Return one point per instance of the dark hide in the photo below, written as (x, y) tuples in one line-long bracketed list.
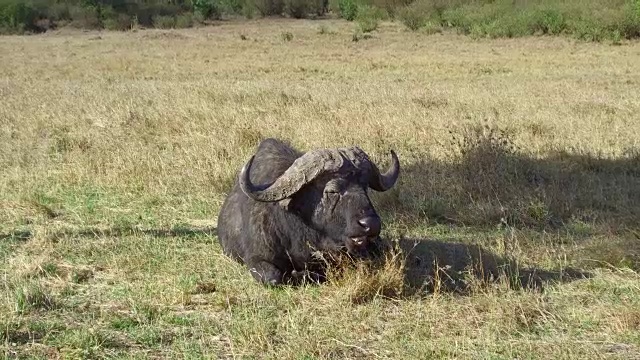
[(277, 240)]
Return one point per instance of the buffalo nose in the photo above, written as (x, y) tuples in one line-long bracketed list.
[(371, 225)]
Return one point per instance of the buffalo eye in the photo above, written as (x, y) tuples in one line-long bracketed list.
[(334, 187)]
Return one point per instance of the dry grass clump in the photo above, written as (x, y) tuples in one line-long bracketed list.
[(363, 281)]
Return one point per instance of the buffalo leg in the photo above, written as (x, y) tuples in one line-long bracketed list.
[(266, 273)]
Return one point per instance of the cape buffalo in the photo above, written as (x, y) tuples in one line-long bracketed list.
[(286, 205)]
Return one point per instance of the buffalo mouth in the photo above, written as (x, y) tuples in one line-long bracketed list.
[(360, 242)]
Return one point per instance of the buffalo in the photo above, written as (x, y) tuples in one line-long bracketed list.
[(287, 208)]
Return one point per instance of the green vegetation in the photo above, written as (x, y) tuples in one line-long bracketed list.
[(591, 20), (368, 18), (584, 19)]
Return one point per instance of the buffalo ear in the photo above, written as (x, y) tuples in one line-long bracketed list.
[(284, 203)]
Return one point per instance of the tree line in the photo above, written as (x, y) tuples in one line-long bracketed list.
[(585, 19)]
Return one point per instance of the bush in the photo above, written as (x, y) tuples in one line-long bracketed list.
[(145, 13), (300, 9), (58, 12), (368, 18), (630, 25), (209, 9), (232, 6), (269, 7), (391, 7), (550, 21), (412, 17), (164, 22), (432, 28), (119, 22), (85, 17), (348, 9), (297, 8), (249, 10), (184, 21), (111, 20), (17, 16)]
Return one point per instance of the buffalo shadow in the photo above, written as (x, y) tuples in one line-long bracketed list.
[(451, 266), (488, 181)]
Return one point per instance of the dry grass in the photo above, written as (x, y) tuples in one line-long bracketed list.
[(520, 162)]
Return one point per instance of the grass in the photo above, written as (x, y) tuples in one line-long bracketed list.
[(519, 167)]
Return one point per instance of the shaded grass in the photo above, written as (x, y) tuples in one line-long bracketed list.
[(490, 180), (115, 163)]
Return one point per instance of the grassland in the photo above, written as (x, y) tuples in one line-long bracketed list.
[(117, 149)]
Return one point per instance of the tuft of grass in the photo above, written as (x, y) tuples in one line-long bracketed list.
[(361, 282), (325, 30), (84, 342), (32, 296), (286, 36)]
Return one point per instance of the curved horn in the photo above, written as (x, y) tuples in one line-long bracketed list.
[(303, 170), (384, 182)]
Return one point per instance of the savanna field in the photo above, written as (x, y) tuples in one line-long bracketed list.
[(514, 224)]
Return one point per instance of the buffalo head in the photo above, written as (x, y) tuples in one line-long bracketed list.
[(327, 189)]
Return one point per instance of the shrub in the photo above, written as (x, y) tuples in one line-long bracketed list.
[(198, 18), (17, 16), (269, 7), (58, 12), (119, 22), (348, 9), (630, 25), (432, 28), (112, 20), (184, 21), (368, 18), (249, 10), (164, 22), (321, 7), (412, 17), (85, 17), (145, 13), (302, 8), (391, 7), (519, 24), (587, 29), (297, 8), (209, 9), (232, 6), (550, 21)]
